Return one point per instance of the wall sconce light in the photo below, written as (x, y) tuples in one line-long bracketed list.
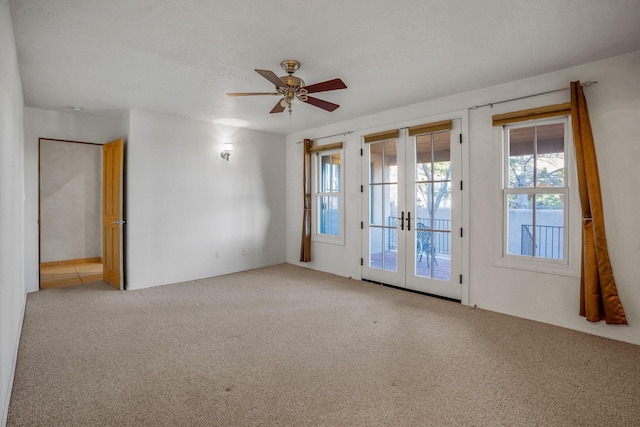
[(227, 149)]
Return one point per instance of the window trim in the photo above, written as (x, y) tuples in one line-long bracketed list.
[(316, 170), (570, 265)]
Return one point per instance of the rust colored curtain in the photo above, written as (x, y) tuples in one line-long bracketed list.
[(305, 245), (599, 298)]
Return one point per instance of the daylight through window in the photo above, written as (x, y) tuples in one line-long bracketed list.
[(535, 189), (328, 196)]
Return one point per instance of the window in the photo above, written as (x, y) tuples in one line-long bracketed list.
[(328, 196), (535, 191)]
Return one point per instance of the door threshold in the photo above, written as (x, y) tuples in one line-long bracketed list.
[(413, 291)]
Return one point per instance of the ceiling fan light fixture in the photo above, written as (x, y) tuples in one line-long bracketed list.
[(292, 89)]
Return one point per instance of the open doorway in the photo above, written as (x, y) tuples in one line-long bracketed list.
[(70, 212)]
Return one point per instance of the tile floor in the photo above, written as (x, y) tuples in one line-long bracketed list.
[(70, 274)]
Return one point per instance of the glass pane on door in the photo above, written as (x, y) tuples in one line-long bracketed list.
[(441, 156), (433, 206), (424, 250), (383, 204)]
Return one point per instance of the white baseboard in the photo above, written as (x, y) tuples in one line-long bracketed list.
[(312, 266), (614, 332), (5, 405), (190, 279), (324, 270)]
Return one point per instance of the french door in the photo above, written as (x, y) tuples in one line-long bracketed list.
[(412, 208)]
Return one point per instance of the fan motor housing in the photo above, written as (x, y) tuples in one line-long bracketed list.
[(292, 81)]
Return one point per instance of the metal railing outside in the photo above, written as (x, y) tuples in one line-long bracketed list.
[(549, 241), (441, 241)]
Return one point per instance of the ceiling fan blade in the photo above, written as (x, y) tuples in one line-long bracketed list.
[(252, 93), (271, 76), (325, 105), (334, 84), (278, 108)]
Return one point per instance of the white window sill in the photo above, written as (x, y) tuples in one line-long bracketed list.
[(537, 265), (332, 240)]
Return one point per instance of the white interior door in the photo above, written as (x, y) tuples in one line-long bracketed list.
[(412, 210)]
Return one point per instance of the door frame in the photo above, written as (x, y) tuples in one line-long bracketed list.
[(463, 116), (39, 195), (100, 145)]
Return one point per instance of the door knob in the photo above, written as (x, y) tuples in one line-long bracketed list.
[(120, 222)]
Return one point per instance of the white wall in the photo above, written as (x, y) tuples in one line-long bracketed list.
[(184, 202), (12, 287), (70, 201), (614, 105), (198, 203), (53, 125)]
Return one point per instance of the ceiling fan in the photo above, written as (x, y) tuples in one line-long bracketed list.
[(292, 88)]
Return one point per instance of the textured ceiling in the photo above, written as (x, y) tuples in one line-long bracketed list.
[(180, 57)]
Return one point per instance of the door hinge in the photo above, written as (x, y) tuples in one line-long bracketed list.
[(362, 188), (460, 185), (361, 152), (460, 138), (361, 225), (460, 231), (361, 261), (461, 279)]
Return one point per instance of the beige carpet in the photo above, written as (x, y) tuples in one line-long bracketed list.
[(287, 346)]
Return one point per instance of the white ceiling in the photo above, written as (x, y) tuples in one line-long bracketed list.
[(180, 57)]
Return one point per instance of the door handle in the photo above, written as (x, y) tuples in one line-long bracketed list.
[(401, 221), (120, 222), (408, 221)]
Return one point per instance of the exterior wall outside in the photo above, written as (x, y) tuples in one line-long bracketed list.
[(546, 218)]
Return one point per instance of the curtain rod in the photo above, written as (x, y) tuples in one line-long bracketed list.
[(491, 104), (328, 136)]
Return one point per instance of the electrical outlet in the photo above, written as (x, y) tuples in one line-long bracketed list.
[(217, 255), (264, 249), (243, 251)]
